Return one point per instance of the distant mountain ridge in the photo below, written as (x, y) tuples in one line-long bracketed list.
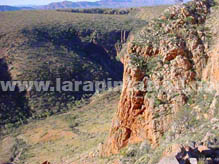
[(98, 4), (12, 8), (106, 4)]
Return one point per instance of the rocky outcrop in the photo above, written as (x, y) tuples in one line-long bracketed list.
[(162, 64), (211, 76), (187, 154), (211, 72)]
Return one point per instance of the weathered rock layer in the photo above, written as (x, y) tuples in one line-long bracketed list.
[(162, 66)]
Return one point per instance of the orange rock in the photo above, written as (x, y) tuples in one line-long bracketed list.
[(46, 162), (202, 148), (211, 73), (116, 162)]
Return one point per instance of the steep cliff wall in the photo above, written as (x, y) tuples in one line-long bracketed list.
[(211, 72), (162, 66)]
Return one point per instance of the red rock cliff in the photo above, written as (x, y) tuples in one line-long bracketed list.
[(211, 73), (162, 64)]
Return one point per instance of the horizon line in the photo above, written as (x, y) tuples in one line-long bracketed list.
[(42, 4)]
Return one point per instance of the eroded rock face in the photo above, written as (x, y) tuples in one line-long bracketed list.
[(161, 67), (211, 72)]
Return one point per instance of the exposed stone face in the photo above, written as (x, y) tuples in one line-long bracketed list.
[(161, 66), (211, 72)]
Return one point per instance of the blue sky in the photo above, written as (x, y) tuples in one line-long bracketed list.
[(33, 2)]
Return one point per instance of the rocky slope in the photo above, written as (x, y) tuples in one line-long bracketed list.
[(211, 72), (163, 84)]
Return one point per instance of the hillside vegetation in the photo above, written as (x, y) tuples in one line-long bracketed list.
[(144, 13), (64, 138), (46, 45)]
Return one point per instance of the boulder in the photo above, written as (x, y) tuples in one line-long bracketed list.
[(168, 160)]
